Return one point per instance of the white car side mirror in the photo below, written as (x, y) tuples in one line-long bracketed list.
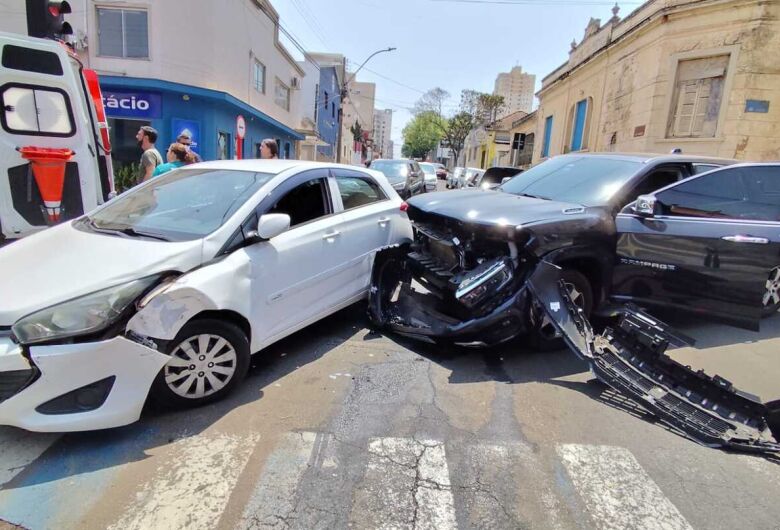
[(644, 205), (271, 225)]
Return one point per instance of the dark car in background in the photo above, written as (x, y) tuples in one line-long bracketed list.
[(406, 176), (495, 176), (642, 228)]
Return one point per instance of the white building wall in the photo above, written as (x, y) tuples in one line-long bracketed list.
[(205, 43), (383, 126), (517, 88)]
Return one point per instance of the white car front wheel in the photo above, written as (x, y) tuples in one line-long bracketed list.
[(209, 358)]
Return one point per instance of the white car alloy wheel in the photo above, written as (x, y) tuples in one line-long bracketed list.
[(771, 299), (200, 366)]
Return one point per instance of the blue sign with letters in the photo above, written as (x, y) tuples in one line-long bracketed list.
[(179, 126), (136, 104), (757, 105)]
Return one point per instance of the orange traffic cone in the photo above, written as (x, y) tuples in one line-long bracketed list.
[(48, 166)]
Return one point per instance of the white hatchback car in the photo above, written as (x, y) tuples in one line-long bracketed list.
[(169, 288), (431, 180)]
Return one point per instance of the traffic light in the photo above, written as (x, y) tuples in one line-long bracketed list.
[(46, 18)]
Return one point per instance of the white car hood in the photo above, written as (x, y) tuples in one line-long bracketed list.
[(62, 263)]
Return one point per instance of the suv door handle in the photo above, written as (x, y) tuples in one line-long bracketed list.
[(331, 235), (746, 239)]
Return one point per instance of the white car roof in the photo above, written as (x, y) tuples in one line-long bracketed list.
[(268, 166)]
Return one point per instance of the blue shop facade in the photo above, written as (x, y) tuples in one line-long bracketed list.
[(171, 108)]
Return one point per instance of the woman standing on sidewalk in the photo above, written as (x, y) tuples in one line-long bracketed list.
[(178, 155)]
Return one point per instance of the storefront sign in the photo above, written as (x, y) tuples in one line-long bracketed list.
[(179, 126), (138, 104)]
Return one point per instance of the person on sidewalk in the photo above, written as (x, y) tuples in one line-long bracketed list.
[(269, 149), (151, 157), (178, 155), (186, 140)]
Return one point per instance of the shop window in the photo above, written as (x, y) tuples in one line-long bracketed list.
[(223, 145), (548, 125), (332, 110), (697, 97), (35, 110), (282, 95), (123, 33), (259, 76), (287, 150)]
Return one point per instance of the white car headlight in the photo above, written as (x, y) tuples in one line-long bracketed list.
[(80, 316)]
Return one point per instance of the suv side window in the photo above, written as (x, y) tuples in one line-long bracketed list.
[(655, 180), (722, 194), (696, 169), (358, 191), (306, 202)]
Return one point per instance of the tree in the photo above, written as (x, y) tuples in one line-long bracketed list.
[(489, 107), (421, 135), (453, 129)]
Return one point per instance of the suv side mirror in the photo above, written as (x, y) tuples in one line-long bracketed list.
[(645, 205), (269, 226)]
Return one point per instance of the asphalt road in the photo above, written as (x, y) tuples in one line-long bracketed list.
[(339, 427)]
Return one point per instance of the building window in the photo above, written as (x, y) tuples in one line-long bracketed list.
[(259, 76), (578, 130), (548, 125), (282, 95), (326, 101), (332, 110), (697, 97), (123, 33), (316, 106)]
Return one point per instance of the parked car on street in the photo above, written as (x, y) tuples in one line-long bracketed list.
[(623, 228), (453, 178), (470, 177), (495, 176), (169, 288), (441, 171), (431, 179), (406, 176)]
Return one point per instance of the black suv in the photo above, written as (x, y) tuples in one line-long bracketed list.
[(405, 176), (709, 244)]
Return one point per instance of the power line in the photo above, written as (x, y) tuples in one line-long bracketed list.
[(306, 16)]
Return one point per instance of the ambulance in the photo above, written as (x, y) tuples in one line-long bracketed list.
[(55, 154)]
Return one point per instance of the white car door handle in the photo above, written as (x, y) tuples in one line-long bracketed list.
[(382, 221), (331, 235), (747, 239)]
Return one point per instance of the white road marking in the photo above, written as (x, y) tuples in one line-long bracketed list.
[(617, 492), (273, 500), (407, 485), (20, 448), (193, 488)]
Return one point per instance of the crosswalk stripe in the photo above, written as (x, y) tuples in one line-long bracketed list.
[(19, 449), (272, 501), (406, 485), (192, 489), (617, 491)]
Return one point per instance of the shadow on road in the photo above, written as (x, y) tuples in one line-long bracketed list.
[(88, 452)]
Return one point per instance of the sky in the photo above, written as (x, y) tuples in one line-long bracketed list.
[(452, 44)]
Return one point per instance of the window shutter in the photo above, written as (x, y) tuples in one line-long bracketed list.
[(110, 32), (136, 34)]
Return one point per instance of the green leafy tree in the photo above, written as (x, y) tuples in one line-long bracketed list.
[(421, 135)]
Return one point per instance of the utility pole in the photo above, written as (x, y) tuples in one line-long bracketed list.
[(345, 93)]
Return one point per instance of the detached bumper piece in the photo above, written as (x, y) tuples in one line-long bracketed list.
[(630, 359)]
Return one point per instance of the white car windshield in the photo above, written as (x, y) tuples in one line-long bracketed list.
[(428, 168), (183, 205)]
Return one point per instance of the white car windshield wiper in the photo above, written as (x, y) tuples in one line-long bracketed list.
[(126, 230), (534, 196)]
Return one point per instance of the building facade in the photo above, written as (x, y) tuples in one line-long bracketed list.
[(383, 127), (690, 74), (517, 88), (160, 65), (331, 76), (523, 133)]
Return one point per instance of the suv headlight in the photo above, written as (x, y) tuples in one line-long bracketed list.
[(80, 316)]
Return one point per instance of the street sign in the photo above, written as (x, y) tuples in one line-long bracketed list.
[(240, 127)]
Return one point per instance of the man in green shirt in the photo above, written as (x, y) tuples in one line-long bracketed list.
[(151, 157)]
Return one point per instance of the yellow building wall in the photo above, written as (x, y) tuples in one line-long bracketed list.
[(631, 82)]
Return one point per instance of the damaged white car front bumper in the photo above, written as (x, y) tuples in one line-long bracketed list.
[(75, 387)]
